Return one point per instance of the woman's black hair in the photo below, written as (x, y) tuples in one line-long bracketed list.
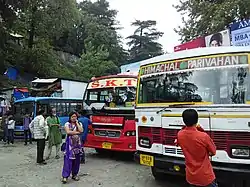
[(217, 37), (71, 114)]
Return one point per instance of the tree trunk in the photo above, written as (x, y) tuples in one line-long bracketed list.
[(31, 31)]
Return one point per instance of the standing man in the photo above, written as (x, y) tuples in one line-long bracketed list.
[(38, 128), (27, 133), (55, 136), (197, 146), (85, 123), (5, 127)]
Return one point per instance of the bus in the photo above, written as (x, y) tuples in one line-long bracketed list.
[(31, 105), (215, 82), (110, 102)]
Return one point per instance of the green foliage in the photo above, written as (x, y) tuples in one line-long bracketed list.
[(97, 24), (143, 43), (87, 30), (207, 17), (95, 62)]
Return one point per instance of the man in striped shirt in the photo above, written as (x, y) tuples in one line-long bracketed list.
[(39, 129)]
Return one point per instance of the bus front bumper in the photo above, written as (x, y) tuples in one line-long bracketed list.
[(125, 144), (224, 172)]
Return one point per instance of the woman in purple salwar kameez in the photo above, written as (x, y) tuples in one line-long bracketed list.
[(73, 148)]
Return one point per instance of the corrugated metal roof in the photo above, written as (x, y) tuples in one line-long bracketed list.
[(44, 80)]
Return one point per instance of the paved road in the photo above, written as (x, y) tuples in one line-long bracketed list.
[(18, 169)]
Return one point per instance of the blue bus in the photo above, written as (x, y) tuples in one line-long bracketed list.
[(31, 105)]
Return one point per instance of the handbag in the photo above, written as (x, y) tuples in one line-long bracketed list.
[(63, 147)]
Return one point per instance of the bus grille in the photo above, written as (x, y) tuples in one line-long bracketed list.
[(223, 140), (108, 133)]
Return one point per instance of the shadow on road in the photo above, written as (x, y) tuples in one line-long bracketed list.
[(112, 155)]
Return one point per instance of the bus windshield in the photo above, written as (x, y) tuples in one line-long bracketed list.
[(20, 109), (219, 86), (63, 107), (112, 97)]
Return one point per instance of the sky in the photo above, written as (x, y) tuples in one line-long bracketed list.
[(161, 11)]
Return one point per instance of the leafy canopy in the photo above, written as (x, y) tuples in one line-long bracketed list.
[(209, 16)]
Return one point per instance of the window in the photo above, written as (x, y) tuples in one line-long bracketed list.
[(219, 86), (121, 96)]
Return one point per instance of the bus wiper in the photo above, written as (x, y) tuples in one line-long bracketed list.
[(174, 105), (164, 109), (102, 110), (181, 104)]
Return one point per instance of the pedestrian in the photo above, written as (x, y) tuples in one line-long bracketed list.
[(55, 136), (11, 127), (197, 146), (72, 148), (85, 122), (5, 127), (38, 128), (27, 134)]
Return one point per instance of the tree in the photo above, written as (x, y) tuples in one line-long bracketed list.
[(143, 43), (95, 62), (98, 25), (209, 16), (39, 22)]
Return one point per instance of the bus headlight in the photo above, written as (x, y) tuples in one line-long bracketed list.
[(241, 152), (130, 133), (144, 142)]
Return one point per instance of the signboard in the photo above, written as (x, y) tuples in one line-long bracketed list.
[(240, 32), (199, 42), (196, 63), (218, 39), (113, 82)]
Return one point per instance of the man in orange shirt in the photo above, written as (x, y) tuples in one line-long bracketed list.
[(197, 146)]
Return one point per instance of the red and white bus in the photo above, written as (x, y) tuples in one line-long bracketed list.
[(215, 82), (110, 100)]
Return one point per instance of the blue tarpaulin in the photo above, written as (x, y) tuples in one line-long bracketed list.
[(20, 93), (11, 73)]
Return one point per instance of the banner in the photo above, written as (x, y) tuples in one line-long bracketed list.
[(113, 82), (218, 39), (240, 32), (199, 42)]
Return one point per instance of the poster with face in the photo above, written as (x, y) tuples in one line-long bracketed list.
[(218, 39)]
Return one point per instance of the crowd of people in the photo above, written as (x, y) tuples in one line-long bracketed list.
[(197, 146), (43, 128)]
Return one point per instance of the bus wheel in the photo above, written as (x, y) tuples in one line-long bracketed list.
[(159, 176)]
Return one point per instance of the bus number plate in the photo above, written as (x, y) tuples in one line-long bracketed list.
[(106, 145), (146, 160)]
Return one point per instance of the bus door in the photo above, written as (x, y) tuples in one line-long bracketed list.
[(172, 123)]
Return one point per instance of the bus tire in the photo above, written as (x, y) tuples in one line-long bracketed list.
[(159, 176)]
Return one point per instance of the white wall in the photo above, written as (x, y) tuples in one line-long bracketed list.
[(73, 89)]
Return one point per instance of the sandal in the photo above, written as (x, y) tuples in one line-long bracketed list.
[(64, 180), (75, 178)]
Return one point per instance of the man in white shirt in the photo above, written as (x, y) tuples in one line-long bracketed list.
[(11, 127), (39, 129)]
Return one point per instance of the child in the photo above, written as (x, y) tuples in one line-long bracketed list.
[(199, 128), (11, 127)]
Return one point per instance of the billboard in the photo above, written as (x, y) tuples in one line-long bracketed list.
[(199, 42), (240, 32), (218, 39)]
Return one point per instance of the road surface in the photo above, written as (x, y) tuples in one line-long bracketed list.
[(18, 169)]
